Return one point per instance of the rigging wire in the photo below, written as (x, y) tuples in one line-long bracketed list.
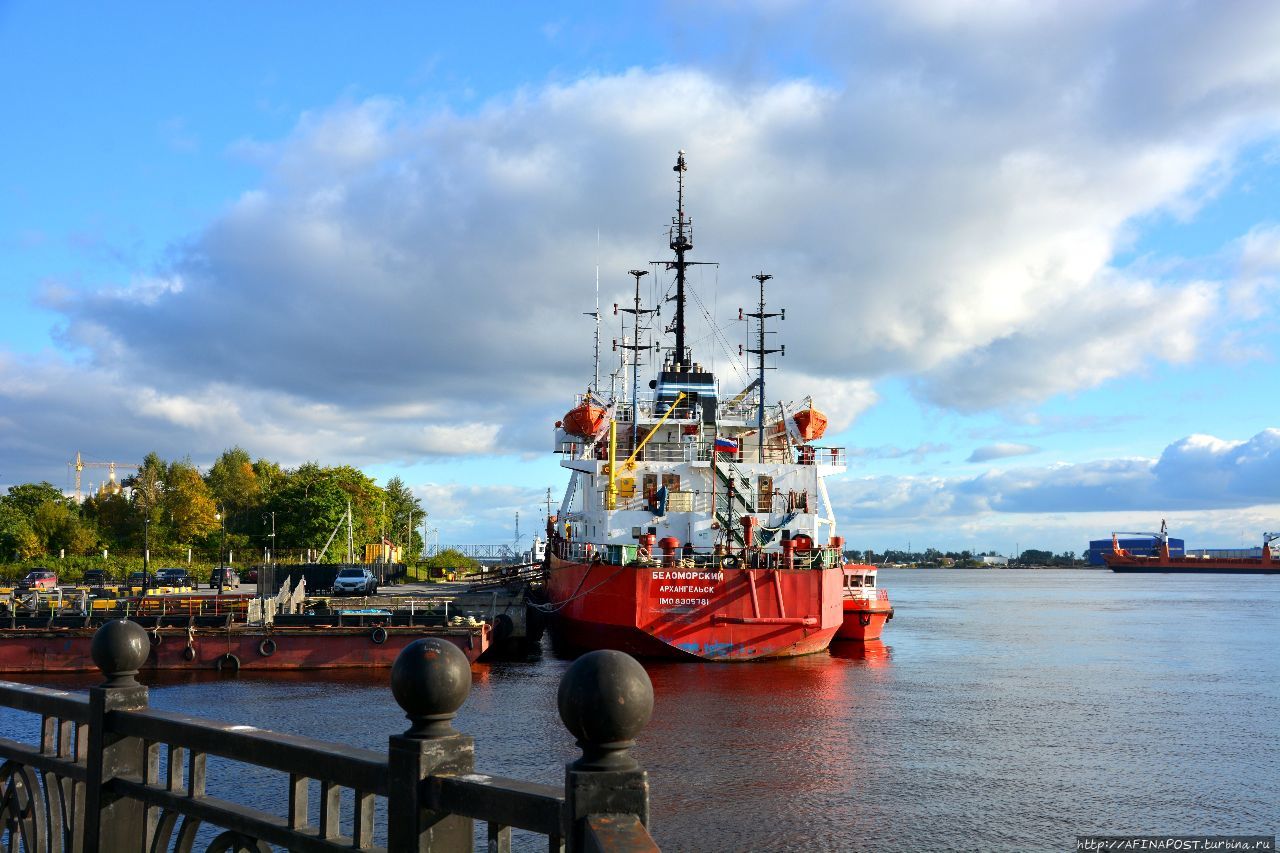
[(718, 333)]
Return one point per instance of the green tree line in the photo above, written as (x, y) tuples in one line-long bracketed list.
[(171, 507)]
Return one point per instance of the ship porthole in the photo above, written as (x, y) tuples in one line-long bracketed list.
[(267, 647), (379, 635)]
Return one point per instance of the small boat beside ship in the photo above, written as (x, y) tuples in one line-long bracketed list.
[(1160, 561), (694, 526), (866, 606)]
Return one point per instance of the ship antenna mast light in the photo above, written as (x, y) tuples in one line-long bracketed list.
[(680, 234), (681, 241)]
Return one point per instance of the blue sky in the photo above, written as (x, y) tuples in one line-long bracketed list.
[(1029, 251)]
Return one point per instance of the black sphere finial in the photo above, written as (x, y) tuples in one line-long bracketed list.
[(120, 648), (605, 700), (430, 680)]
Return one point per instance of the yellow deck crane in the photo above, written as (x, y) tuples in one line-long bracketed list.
[(80, 465)]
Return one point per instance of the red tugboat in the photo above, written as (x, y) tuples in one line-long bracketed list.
[(1162, 562), (694, 526), (866, 606)]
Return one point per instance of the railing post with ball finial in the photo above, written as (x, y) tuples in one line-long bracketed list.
[(119, 649), (605, 700), (430, 680)]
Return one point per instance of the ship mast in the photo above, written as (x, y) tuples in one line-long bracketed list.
[(635, 346), (595, 315), (760, 351), (681, 240)]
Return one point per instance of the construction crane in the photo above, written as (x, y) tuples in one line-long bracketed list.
[(80, 465)]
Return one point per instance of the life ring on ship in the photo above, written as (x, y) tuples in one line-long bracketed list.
[(729, 563), (378, 635), (267, 647), (229, 661), (189, 653), (864, 619)]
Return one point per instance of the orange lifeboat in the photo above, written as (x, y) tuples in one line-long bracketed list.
[(585, 420), (804, 426), (810, 423)]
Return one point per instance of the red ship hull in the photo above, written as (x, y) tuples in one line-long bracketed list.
[(285, 648), (694, 614)]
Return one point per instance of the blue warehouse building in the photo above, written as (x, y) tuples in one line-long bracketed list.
[(1144, 545)]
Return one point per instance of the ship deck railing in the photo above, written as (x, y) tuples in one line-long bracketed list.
[(748, 452), (752, 500), (630, 554), (649, 410), (109, 772)]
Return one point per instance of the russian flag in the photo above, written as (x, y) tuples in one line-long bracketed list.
[(726, 445)]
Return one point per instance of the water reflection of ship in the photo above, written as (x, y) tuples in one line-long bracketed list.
[(872, 653), (829, 754)]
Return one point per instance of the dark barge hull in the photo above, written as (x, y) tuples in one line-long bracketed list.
[(1209, 569), (239, 647)]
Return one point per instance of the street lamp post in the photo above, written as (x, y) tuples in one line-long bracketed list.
[(146, 540), (222, 542), (271, 559)]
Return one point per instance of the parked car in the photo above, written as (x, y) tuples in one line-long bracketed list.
[(355, 581), (141, 579), (230, 580), (250, 576), (39, 579), (94, 577), (173, 577)]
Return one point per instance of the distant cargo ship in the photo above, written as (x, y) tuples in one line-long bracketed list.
[(1161, 561)]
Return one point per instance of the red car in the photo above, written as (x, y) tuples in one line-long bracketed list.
[(39, 579)]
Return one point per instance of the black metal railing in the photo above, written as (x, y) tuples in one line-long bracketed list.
[(112, 774)]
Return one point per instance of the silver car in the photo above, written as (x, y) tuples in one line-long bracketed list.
[(355, 581)]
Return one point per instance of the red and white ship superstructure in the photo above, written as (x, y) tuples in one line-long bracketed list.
[(694, 525)]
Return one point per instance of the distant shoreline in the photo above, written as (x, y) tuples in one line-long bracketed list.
[(1003, 568)]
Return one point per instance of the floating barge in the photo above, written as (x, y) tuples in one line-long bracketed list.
[(240, 646), (230, 633), (62, 644)]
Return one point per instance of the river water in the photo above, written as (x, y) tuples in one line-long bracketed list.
[(1004, 710)]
